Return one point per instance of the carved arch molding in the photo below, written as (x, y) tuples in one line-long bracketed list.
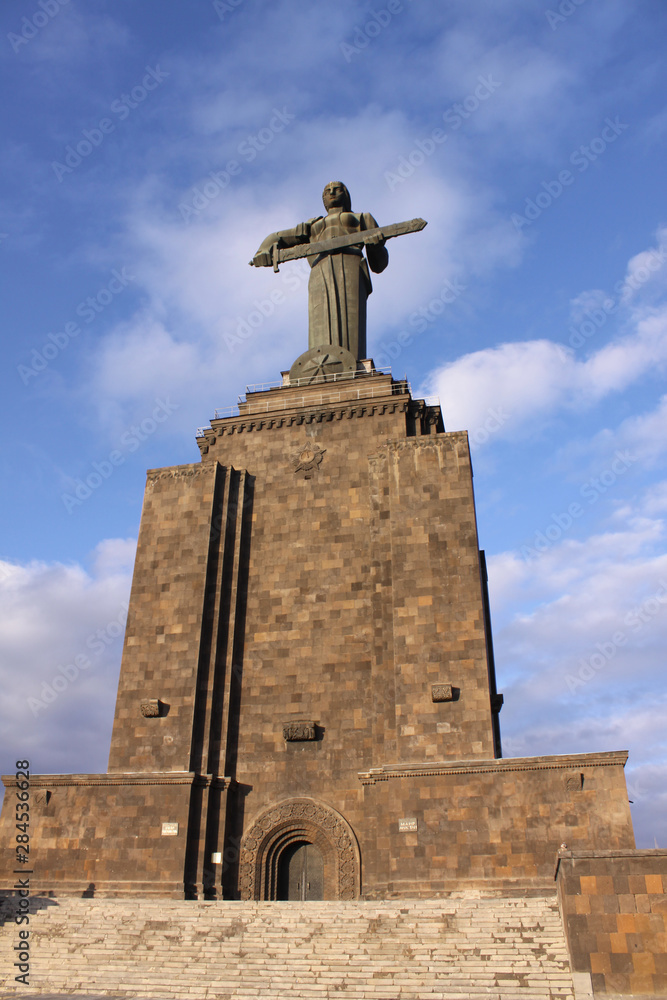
[(290, 822)]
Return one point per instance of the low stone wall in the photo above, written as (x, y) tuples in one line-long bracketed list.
[(101, 834), (614, 907)]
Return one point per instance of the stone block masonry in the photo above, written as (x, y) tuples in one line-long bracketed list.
[(308, 666), (614, 906)]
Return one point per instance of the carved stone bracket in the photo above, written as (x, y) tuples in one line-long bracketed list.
[(151, 708), (442, 692)]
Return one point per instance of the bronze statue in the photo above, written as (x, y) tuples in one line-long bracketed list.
[(339, 282)]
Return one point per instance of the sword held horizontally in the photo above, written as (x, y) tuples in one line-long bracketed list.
[(280, 254)]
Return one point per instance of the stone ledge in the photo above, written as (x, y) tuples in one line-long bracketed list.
[(647, 854), (493, 765), (113, 778)]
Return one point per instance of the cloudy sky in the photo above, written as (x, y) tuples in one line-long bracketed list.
[(148, 149)]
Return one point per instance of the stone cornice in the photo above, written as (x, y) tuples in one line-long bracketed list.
[(618, 854), (120, 778), (282, 418), (498, 766)]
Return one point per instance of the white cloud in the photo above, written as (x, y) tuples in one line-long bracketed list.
[(61, 631), (534, 380), (646, 271), (580, 634), (643, 435), (200, 290)]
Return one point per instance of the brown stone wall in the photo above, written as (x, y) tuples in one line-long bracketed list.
[(164, 637), (437, 626), (306, 606), (102, 834), (363, 592), (495, 823), (614, 906)]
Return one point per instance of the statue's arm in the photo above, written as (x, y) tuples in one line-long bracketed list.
[(284, 238), (376, 252)]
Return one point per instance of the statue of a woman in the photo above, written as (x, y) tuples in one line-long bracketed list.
[(339, 281)]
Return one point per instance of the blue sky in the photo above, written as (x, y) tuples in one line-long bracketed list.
[(149, 148)]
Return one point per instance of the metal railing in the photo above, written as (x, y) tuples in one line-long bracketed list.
[(309, 380), (325, 397)]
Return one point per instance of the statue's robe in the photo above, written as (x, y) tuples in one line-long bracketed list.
[(340, 284), (339, 281)]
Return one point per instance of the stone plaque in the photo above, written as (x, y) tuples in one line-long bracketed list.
[(442, 692), (170, 829), (407, 825), (574, 782), (299, 731)]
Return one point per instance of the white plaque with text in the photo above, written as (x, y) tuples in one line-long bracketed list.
[(407, 825)]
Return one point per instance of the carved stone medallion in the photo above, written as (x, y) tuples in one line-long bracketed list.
[(319, 362), (309, 458)]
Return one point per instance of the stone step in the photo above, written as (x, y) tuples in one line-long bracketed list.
[(497, 948)]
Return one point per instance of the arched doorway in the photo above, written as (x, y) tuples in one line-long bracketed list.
[(296, 842), (300, 873)]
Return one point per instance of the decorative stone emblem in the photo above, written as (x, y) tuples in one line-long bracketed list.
[(442, 692), (317, 363), (150, 708), (574, 782), (299, 731), (309, 458), (42, 797)]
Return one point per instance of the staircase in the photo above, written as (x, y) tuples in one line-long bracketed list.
[(498, 948)]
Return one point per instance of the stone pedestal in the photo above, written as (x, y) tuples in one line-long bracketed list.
[(308, 659)]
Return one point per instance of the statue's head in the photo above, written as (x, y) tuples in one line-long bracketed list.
[(336, 195)]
